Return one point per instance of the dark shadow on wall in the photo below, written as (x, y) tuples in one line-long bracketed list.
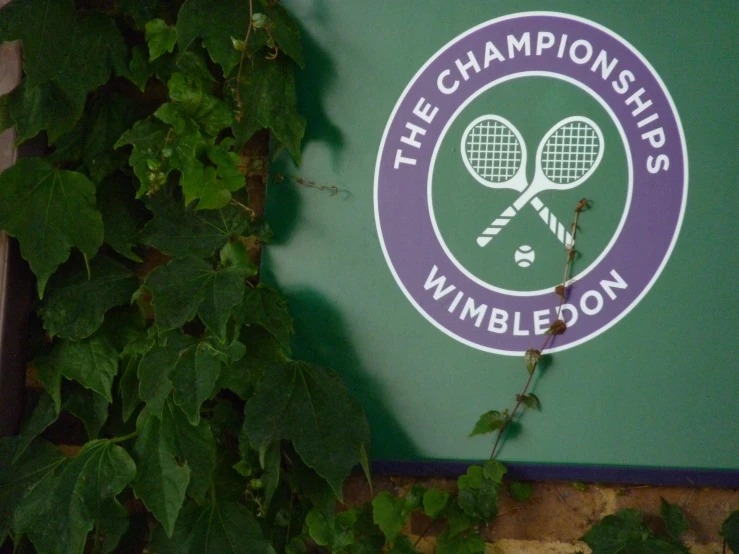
[(321, 338)]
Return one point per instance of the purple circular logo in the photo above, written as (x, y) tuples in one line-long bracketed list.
[(436, 120)]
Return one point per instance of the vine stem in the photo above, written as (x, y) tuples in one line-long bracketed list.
[(243, 56), (561, 292), (125, 437)]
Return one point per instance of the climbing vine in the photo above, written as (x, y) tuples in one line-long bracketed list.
[(198, 433)]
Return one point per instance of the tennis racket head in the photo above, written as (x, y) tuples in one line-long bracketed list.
[(494, 153), (570, 152)]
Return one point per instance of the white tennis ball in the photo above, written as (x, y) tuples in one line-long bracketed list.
[(524, 256)]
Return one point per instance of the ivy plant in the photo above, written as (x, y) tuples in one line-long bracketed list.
[(198, 433)]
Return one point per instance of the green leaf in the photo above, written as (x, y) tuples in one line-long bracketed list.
[(327, 529), (215, 22), (482, 502), (140, 10), (20, 478), (435, 502), (129, 387), (46, 106), (162, 478), (44, 414), (87, 406), (265, 307), (532, 357), (179, 231), (389, 514), (158, 149), (140, 70), (75, 304), (530, 401), (262, 353), (110, 116), (211, 186), (223, 528), (401, 545), (488, 422), (160, 37), (6, 122), (619, 533), (49, 211), (122, 214), (189, 286), (285, 32), (266, 98), (729, 530), (446, 543), (494, 470), (675, 521), (62, 508), (521, 491), (191, 98), (311, 407), (270, 457), (57, 41)]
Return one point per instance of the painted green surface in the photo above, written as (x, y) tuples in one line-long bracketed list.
[(658, 389)]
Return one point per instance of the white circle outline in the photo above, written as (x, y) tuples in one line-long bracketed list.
[(678, 226), (629, 189)]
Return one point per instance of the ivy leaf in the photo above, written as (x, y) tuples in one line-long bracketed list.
[(160, 37), (401, 545), (262, 353), (330, 529), (617, 533), (221, 528), (211, 186), (57, 41), (179, 231), (195, 445), (532, 358), (20, 478), (92, 362), (494, 471), (61, 509), (140, 11), (729, 530), (75, 305), (521, 491), (110, 116), (215, 22), (269, 458), (162, 480), (139, 69), (390, 514), (189, 286), (303, 403), (44, 414), (87, 406), (435, 502), (190, 98), (675, 521), (267, 87), (529, 400), (285, 32), (49, 211), (189, 366), (488, 422), (129, 387), (159, 149), (46, 106), (446, 543), (478, 495), (265, 307), (122, 214)]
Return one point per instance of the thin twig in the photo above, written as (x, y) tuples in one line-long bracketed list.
[(243, 56), (561, 291)]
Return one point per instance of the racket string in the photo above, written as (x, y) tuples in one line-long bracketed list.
[(570, 152), (493, 151)]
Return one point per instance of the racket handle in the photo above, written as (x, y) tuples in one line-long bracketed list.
[(494, 228), (559, 230)]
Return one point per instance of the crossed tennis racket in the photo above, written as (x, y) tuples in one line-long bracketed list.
[(494, 153)]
